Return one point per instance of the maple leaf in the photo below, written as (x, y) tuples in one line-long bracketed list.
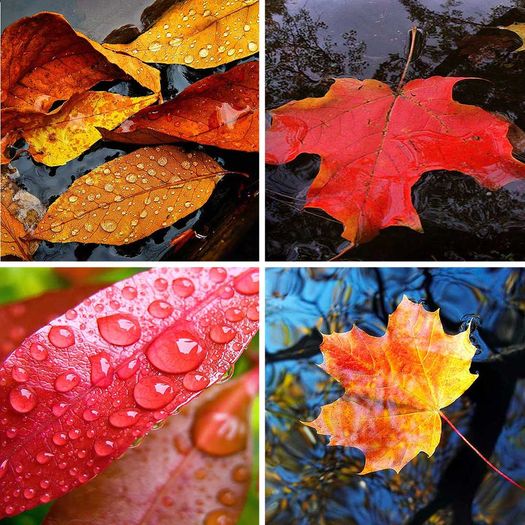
[(395, 386), (78, 392), (131, 197), (376, 143), (59, 136), (519, 29), (210, 464), (199, 34), (45, 60), (220, 110), (12, 233)]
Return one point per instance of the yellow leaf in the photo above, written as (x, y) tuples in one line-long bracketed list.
[(60, 136), (199, 34), (131, 197), (519, 29)]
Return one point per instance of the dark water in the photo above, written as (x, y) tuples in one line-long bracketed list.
[(311, 483), (309, 42), (234, 200)]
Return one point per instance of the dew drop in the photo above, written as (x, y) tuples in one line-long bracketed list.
[(108, 226), (253, 313), (175, 42), (43, 458), (222, 334), (71, 315), (153, 392), (227, 497), (66, 382), (128, 369), (183, 287), (155, 46), (19, 374), (38, 352), (90, 414), (124, 418), (194, 382), (252, 46), (74, 433), (227, 292), (61, 336), (59, 439), (101, 370), (203, 53), (160, 309), (119, 329), (3, 468), (129, 293), (217, 275), (59, 409), (234, 315), (188, 59), (220, 517), (160, 285), (162, 161), (247, 283), (23, 399), (104, 447), (240, 474)]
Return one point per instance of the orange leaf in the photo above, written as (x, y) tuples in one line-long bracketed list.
[(45, 60), (199, 34), (12, 233), (60, 136), (221, 110), (130, 197), (195, 470), (395, 386)]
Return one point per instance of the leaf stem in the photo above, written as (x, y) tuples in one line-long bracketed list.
[(493, 467), (413, 35)]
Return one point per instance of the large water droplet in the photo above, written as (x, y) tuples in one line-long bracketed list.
[(195, 382), (160, 309), (66, 382), (129, 293), (124, 418), (101, 370), (176, 351), (29, 493), (119, 329), (43, 458), (247, 283), (104, 447), (19, 374), (252, 313), (153, 392), (220, 517), (59, 439), (160, 284), (234, 315), (222, 334), (59, 409), (128, 369), (91, 414), (38, 352), (218, 275), (240, 474), (61, 336), (23, 399), (227, 497), (183, 287)]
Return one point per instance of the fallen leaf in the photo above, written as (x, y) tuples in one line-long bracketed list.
[(77, 393), (131, 197), (60, 136), (44, 60), (12, 234), (220, 110), (199, 34), (196, 469), (519, 29), (375, 144), (395, 386)]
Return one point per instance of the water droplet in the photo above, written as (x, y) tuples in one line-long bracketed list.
[(227, 497), (240, 474), (162, 161), (119, 329), (188, 59), (153, 392), (176, 351), (220, 517), (19, 374), (222, 334), (160, 309), (175, 42), (247, 283), (104, 447), (155, 46), (101, 370), (61, 336), (234, 315), (253, 313), (23, 399), (59, 409), (108, 226), (227, 375), (183, 287), (43, 458), (195, 382), (160, 284), (11, 432), (203, 53), (74, 433), (66, 381), (90, 414), (227, 292), (3, 468), (217, 275), (38, 352), (71, 314), (128, 369), (59, 439), (129, 293), (29, 493), (124, 418), (252, 46)]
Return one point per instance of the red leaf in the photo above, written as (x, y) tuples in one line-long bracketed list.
[(375, 144), (55, 428), (193, 470), (220, 110)]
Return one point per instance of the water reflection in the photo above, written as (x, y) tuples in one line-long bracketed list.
[(309, 482)]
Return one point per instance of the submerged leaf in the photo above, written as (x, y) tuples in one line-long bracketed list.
[(199, 34), (519, 29), (131, 197), (220, 110), (60, 136)]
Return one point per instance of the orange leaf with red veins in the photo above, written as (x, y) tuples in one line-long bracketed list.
[(395, 386), (12, 232), (62, 135), (220, 110), (375, 144), (45, 60), (196, 469)]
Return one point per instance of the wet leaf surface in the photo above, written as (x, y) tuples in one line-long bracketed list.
[(12, 235), (146, 345)]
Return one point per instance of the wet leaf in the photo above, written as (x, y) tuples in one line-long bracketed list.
[(12, 235), (199, 34), (77, 393), (60, 136), (220, 110), (375, 144), (519, 29), (131, 197), (395, 386), (44, 60), (196, 469)]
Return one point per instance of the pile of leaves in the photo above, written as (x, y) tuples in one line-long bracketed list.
[(90, 384), (56, 104)]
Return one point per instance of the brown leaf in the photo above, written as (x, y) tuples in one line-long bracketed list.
[(129, 198), (12, 232)]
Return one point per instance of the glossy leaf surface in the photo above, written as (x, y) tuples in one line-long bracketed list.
[(44, 60), (174, 475), (131, 197), (375, 144), (58, 137), (395, 386), (220, 110), (199, 34), (12, 232), (113, 367)]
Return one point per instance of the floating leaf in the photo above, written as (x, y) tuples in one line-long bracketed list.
[(220, 110), (199, 34), (375, 144), (77, 393), (44, 60), (196, 469), (519, 29), (60, 136), (131, 197), (12, 234)]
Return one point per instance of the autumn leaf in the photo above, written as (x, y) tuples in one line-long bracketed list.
[(78, 392), (220, 110), (195, 469), (131, 197), (60, 136), (395, 386), (12, 236), (519, 29), (376, 143), (199, 34), (44, 60)]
